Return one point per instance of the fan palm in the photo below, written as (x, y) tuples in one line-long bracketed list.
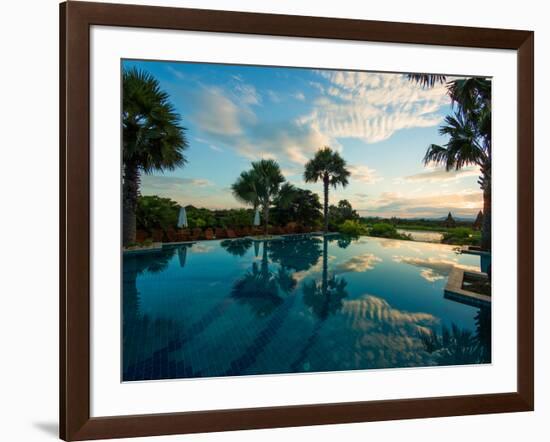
[(152, 139), (261, 186), (329, 167), (427, 80), (469, 134), (469, 130)]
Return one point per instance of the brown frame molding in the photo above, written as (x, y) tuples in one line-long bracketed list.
[(75, 21)]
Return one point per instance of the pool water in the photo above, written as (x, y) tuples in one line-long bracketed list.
[(301, 304)]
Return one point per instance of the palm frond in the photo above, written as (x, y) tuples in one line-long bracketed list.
[(427, 80)]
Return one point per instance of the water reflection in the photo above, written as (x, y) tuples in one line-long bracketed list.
[(433, 268), (324, 298), (260, 287), (298, 254), (301, 304), (236, 247), (359, 263)]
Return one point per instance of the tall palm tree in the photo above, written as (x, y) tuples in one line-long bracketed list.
[(469, 131), (261, 186), (152, 139), (329, 167)]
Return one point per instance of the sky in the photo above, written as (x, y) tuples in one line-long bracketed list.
[(381, 124)]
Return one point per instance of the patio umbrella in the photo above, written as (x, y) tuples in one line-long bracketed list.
[(257, 217), (256, 248), (182, 218)]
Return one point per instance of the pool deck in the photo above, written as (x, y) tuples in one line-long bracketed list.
[(473, 250), (455, 292)]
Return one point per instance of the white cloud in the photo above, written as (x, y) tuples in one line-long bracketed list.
[(432, 268), (434, 174), (359, 263), (299, 96), (233, 125), (463, 203), (372, 107), (273, 96), (158, 182), (247, 93), (364, 174), (217, 114)]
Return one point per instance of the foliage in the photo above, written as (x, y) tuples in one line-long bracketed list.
[(154, 212), (200, 217), (352, 228), (152, 138), (468, 133), (461, 236), (330, 168), (234, 218), (341, 212), (427, 224), (455, 346), (261, 186), (305, 208), (383, 230)]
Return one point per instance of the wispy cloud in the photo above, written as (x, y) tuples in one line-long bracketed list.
[(363, 174), (464, 203), (438, 174), (372, 107), (247, 93), (273, 96), (225, 121), (158, 182)]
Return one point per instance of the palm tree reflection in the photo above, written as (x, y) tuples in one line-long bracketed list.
[(237, 247), (455, 346), (298, 254), (324, 298), (260, 288)]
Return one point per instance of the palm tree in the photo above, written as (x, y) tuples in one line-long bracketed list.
[(152, 139), (469, 144), (261, 186), (329, 167), (469, 132), (427, 80)]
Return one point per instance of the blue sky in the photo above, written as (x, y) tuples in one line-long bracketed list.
[(380, 123)]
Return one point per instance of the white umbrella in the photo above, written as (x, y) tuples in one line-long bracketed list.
[(257, 217), (182, 218)]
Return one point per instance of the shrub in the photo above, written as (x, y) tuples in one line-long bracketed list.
[(352, 227), (461, 236), (154, 212), (384, 230)]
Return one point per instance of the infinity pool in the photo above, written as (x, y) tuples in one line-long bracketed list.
[(302, 304)]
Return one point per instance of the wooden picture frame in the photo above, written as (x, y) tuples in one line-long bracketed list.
[(75, 21)]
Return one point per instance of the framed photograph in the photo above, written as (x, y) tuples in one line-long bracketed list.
[(274, 220)]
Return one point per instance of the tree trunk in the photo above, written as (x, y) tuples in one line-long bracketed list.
[(266, 218), (324, 283), (265, 266), (486, 226), (325, 188), (130, 188)]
